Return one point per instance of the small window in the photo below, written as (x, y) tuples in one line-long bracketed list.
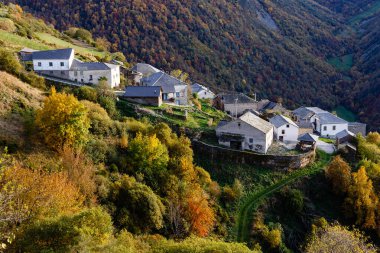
[(283, 131), (250, 140), (325, 128), (50, 64), (39, 64), (90, 77), (239, 124), (334, 128), (287, 126), (177, 94), (62, 64), (81, 80)]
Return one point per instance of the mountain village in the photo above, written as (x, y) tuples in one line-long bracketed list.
[(251, 126)]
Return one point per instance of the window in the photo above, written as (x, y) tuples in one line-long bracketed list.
[(62, 64), (50, 64), (177, 94), (250, 140), (75, 73), (287, 126), (334, 127), (239, 124), (81, 73), (90, 77), (81, 80), (39, 64), (63, 73), (283, 131), (325, 128)]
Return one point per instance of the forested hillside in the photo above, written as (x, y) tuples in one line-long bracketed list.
[(276, 48)]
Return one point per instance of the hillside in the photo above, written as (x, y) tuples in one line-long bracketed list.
[(17, 101), (275, 48)]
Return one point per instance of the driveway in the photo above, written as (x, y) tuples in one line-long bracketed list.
[(327, 147)]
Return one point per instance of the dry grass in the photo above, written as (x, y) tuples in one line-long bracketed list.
[(16, 97)]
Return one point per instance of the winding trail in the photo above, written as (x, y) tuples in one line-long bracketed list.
[(254, 199)]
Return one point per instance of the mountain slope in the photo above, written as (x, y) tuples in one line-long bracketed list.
[(276, 48)]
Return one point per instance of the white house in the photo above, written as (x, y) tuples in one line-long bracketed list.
[(92, 72), (202, 91), (323, 122), (285, 130), (249, 132), (61, 64), (57, 60), (173, 89)]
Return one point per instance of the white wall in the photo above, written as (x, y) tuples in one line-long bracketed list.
[(290, 135), (204, 94), (56, 64), (253, 138), (113, 76), (329, 132)]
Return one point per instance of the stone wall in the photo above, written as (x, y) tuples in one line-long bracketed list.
[(218, 154)]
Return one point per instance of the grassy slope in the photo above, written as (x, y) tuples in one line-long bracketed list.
[(255, 198), (17, 100), (342, 63), (90, 51)]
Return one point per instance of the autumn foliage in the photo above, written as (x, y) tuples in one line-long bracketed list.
[(63, 121)]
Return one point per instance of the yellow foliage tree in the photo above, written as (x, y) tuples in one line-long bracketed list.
[(339, 174), (63, 121), (361, 201)]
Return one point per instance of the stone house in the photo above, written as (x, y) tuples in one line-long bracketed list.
[(147, 95), (248, 132), (234, 104), (285, 130)]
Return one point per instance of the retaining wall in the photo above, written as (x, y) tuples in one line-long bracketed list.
[(218, 154)]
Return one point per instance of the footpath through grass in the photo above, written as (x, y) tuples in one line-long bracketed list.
[(253, 200)]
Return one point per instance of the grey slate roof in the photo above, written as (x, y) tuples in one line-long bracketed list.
[(142, 91), (256, 122), (85, 66), (196, 87), (280, 120), (167, 82), (329, 118), (308, 137), (343, 134), (145, 69), (230, 98), (58, 54), (303, 112)]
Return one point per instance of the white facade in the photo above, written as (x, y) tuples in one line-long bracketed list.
[(330, 130), (93, 76), (53, 64), (249, 132), (205, 94), (286, 133)]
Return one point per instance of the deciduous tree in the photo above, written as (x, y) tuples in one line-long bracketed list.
[(63, 121), (339, 174)]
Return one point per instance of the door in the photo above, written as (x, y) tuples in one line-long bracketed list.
[(235, 145), (281, 138)]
